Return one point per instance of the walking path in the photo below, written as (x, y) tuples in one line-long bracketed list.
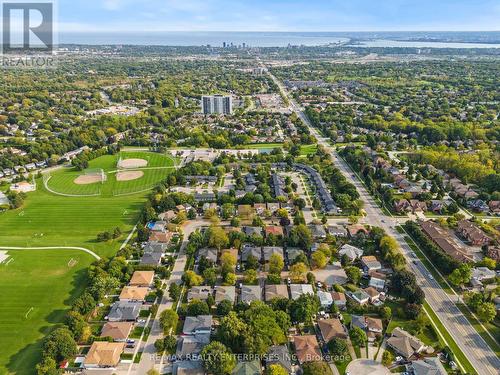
[(52, 248)]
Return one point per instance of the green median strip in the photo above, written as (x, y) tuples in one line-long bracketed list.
[(446, 339)]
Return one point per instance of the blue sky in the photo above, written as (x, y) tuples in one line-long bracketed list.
[(277, 15)]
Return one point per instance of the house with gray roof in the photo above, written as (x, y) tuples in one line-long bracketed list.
[(251, 231), (352, 252), (197, 325), (427, 366), (293, 252), (268, 251), (296, 290), (199, 292), (124, 311), (247, 250), (405, 344), (191, 345), (225, 293), (209, 253), (247, 368), (188, 368), (250, 293), (279, 355)]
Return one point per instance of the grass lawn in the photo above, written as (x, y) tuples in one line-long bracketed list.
[(263, 146), (36, 298), (306, 150), (459, 355)]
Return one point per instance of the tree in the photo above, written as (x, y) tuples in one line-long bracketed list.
[(353, 274), (210, 276), (303, 308), (252, 262), (276, 369), (160, 346), (486, 312), (217, 359), (386, 312), (319, 260), (229, 279), (47, 367), (461, 275), (224, 307), (301, 236), (316, 368), (170, 343), (191, 279), (197, 307), (358, 336), (276, 263), (228, 262), (337, 346), (232, 331), (387, 358), (174, 291), (168, 320), (217, 238), (250, 276), (298, 272), (59, 345)]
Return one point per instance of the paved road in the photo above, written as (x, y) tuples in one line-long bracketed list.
[(477, 351), (149, 358)]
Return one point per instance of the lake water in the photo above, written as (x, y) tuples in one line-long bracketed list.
[(272, 39)]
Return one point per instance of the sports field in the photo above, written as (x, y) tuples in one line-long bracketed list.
[(37, 287), (156, 168)]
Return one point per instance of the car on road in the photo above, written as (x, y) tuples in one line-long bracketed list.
[(430, 277)]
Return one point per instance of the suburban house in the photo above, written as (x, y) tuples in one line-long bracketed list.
[(118, 331), (331, 328), (279, 355), (191, 345), (339, 299), (359, 296), (332, 274), (250, 293), (123, 311), (374, 328), (427, 366), (318, 231), (377, 280), (275, 291), (351, 252), (162, 237), (325, 299), (472, 234), (370, 263), (142, 278), (307, 348), (153, 253), (209, 254), (252, 231), (268, 251), (134, 293), (296, 290), (225, 293), (292, 253), (188, 368), (275, 230), (337, 231), (104, 354), (199, 292), (356, 229), (201, 324), (444, 241), (374, 294), (250, 250), (247, 368), (404, 344)]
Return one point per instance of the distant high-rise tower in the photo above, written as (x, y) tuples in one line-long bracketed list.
[(219, 104)]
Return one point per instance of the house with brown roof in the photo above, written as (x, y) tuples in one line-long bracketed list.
[(401, 206), (443, 240), (275, 291), (133, 293), (331, 328), (356, 229), (307, 348), (404, 344), (103, 354), (417, 206), (370, 263), (275, 230), (142, 278), (494, 207), (118, 331), (339, 299), (161, 237), (373, 293), (472, 233)]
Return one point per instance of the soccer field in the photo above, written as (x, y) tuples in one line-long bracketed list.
[(157, 168), (38, 287)]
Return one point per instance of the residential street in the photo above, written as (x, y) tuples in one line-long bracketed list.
[(481, 356)]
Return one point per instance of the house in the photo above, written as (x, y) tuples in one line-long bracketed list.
[(417, 206), (359, 296), (337, 231), (142, 278), (123, 311), (250, 293), (404, 344), (188, 368), (438, 206), (278, 185), (273, 207), (201, 324), (331, 328), (153, 253), (104, 354), (167, 216), (250, 250), (339, 299), (162, 237), (356, 229), (494, 207), (374, 294), (402, 206), (318, 231), (279, 355), (350, 252), (358, 321), (260, 208), (199, 293), (252, 231), (307, 348), (370, 263), (427, 366), (275, 230), (275, 291), (134, 293), (233, 252), (374, 325), (268, 251), (472, 233), (208, 253), (377, 280), (118, 331), (191, 345), (483, 273), (296, 290), (493, 253), (293, 252), (325, 299), (478, 205), (225, 293), (159, 226), (247, 368), (444, 241), (332, 274)]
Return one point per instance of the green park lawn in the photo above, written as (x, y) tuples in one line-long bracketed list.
[(38, 287)]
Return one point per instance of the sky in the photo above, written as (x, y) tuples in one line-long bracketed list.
[(277, 15)]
